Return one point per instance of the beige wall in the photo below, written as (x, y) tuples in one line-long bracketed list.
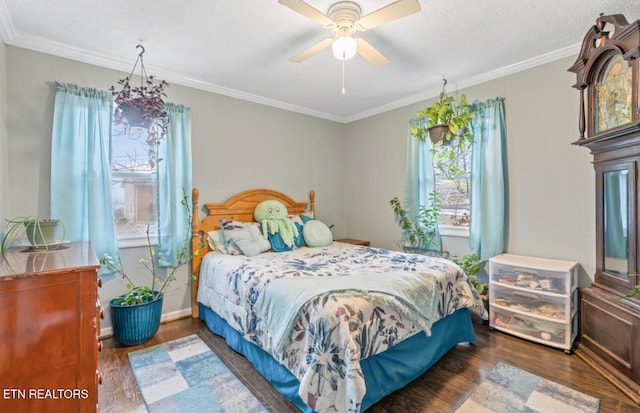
[(355, 169), (551, 182), (4, 164), (237, 145)]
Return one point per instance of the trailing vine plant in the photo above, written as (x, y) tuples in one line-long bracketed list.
[(143, 104)]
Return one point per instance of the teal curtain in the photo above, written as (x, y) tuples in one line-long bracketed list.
[(174, 182), (421, 180), (487, 227), (80, 166)]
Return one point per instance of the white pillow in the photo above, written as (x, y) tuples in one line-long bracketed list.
[(216, 241), (250, 241), (229, 227), (317, 234)]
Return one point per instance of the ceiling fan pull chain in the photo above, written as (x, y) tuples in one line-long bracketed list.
[(343, 91)]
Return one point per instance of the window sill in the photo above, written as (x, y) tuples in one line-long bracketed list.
[(124, 243), (454, 231)]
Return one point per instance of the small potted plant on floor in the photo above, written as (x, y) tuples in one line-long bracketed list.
[(472, 265), (135, 315)]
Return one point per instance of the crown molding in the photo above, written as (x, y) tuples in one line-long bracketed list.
[(47, 46), (9, 36), (568, 51)]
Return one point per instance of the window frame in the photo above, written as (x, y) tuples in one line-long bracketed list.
[(133, 239), (450, 229)]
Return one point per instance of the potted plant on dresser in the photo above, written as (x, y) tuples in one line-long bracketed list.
[(135, 315), (42, 233)]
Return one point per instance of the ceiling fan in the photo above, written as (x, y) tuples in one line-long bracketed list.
[(343, 18)]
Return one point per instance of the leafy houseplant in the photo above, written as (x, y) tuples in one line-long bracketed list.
[(139, 294), (42, 233), (136, 314), (472, 264), (447, 119), (417, 234), (143, 106)]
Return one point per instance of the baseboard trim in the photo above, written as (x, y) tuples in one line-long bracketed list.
[(173, 316)]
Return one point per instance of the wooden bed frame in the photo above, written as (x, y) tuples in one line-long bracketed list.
[(407, 360), (238, 208)]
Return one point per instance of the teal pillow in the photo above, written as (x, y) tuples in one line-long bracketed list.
[(302, 218), (278, 245), (299, 240), (250, 241), (317, 234)]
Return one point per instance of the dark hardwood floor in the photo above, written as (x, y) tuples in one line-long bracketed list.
[(441, 389)]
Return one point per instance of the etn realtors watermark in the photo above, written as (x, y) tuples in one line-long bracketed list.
[(45, 394)]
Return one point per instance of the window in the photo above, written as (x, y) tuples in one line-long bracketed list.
[(452, 165), (133, 181)]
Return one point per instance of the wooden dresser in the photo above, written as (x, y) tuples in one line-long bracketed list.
[(49, 325)]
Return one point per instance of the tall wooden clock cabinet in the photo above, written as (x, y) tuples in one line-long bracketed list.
[(608, 78)]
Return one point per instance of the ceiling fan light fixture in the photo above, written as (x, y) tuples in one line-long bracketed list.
[(344, 47)]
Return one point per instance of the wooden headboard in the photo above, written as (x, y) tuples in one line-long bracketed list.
[(238, 208)]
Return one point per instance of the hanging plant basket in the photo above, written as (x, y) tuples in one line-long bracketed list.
[(134, 115), (438, 133), (447, 119), (143, 106)]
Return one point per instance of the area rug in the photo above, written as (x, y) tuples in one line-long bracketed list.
[(508, 389), (184, 376)]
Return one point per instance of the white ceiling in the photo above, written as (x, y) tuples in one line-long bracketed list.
[(241, 48)]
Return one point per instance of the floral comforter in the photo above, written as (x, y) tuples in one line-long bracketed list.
[(331, 332)]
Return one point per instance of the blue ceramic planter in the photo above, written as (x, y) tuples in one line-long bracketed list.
[(135, 324)]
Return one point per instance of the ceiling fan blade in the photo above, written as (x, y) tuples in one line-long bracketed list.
[(305, 54), (391, 12), (307, 11), (370, 53)]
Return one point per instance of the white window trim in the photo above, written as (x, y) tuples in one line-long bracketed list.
[(454, 231), (131, 241), (136, 242)]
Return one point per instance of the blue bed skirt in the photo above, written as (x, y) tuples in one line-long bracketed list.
[(384, 373)]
